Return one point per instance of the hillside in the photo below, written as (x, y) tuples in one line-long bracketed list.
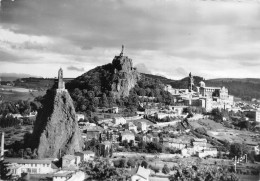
[(117, 83)]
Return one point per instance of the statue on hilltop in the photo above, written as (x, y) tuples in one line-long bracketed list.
[(122, 51)]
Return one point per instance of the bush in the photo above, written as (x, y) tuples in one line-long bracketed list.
[(155, 169), (165, 169), (201, 130)]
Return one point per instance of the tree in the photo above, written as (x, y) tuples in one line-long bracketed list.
[(104, 101), (216, 113), (4, 171), (122, 163), (131, 163), (103, 170), (165, 169), (237, 149), (144, 164)]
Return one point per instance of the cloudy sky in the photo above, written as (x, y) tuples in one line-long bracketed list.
[(210, 38)]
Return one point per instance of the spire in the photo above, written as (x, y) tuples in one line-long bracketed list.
[(122, 51), (61, 84)]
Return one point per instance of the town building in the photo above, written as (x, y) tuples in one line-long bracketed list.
[(211, 152), (255, 114), (142, 174), (85, 155), (128, 136), (131, 127), (80, 117), (70, 161), (18, 166), (119, 120), (174, 143), (142, 126)]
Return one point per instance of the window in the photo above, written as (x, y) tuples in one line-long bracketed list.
[(34, 170)]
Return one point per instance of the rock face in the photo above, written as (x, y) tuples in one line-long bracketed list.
[(56, 129), (125, 77)]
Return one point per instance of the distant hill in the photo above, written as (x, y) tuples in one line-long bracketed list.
[(14, 76), (246, 89)]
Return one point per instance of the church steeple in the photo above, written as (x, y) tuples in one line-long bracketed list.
[(61, 84)]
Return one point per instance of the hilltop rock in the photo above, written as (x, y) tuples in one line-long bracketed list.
[(56, 129), (117, 78), (125, 77)]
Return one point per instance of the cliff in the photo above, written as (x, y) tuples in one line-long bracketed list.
[(56, 129), (125, 77)]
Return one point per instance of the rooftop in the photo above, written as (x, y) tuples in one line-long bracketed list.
[(28, 161), (142, 172)]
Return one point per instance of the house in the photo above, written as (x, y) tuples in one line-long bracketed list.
[(212, 152), (128, 136), (254, 147), (119, 120), (175, 143), (142, 126), (80, 117), (160, 115), (18, 166), (64, 175), (198, 146), (150, 138), (93, 132), (131, 127), (115, 110), (70, 161), (142, 174), (85, 155)]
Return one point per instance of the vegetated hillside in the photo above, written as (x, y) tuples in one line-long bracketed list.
[(116, 83), (243, 88), (178, 84)]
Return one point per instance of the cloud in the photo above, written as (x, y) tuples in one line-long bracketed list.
[(76, 68), (221, 35), (141, 67)]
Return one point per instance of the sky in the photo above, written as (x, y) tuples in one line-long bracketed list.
[(210, 38)]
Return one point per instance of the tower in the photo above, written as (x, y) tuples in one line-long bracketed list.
[(61, 84), (191, 82)]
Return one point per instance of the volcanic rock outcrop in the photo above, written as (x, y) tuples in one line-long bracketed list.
[(56, 130), (118, 77), (125, 77)]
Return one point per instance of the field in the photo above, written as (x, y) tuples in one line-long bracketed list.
[(9, 93), (220, 132)]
